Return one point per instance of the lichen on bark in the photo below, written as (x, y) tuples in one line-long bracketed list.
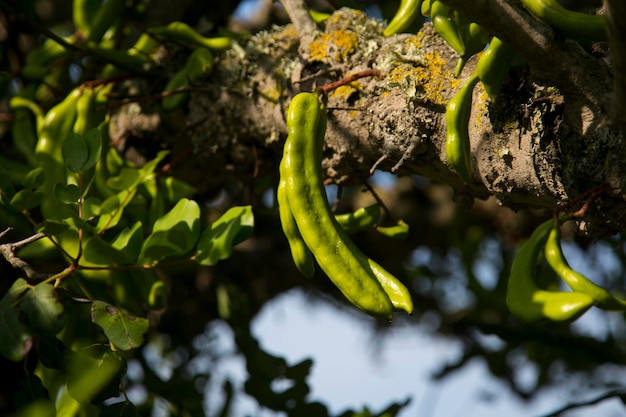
[(524, 148)]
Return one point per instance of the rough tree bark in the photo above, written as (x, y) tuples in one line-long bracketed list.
[(543, 142)]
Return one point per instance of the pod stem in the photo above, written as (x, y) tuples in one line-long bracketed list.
[(587, 198), (325, 89)]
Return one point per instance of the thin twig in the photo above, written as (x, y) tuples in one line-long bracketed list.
[(350, 78)]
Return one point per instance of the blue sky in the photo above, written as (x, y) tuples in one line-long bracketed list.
[(351, 369)]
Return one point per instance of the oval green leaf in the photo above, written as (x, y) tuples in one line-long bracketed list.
[(174, 234), (124, 331), (75, 152), (217, 241), (43, 309)]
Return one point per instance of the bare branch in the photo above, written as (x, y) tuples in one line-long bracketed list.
[(305, 26), (569, 407), (8, 252)]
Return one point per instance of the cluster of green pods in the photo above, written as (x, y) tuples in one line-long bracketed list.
[(313, 232)]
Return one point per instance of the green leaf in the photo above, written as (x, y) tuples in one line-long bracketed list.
[(98, 252), (26, 199), (129, 241), (128, 178), (52, 227), (157, 298), (16, 338), (39, 408), (217, 241), (34, 178), (112, 208), (175, 189), (124, 331), (18, 288), (174, 234), (93, 139), (68, 194), (43, 308), (91, 207), (75, 152), (77, 223), (88, 377)]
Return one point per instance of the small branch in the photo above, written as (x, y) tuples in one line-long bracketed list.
[(8, 252), (299, 15), (615, 12), (605, 396)]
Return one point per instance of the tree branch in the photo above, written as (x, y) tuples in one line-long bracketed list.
[(8, 252), (563, 63), (610, 394), (298, 12)]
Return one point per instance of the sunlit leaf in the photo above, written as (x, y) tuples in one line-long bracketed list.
[(174, 234), (124, 331), (127, 178), (39, 408), (98, 252), (91, 207), (217, 241), (88, 377), (43, 308), (26, 199), (175, 189), (157, 298), (112, 209), (129, 241)]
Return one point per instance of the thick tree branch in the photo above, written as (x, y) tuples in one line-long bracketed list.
[(562, 63), (534, 147)]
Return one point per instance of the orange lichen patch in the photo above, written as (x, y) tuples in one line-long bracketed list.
[(415, 42), (345, 91), (335, 46), (429, 81), (342, 94), (482, 107)]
